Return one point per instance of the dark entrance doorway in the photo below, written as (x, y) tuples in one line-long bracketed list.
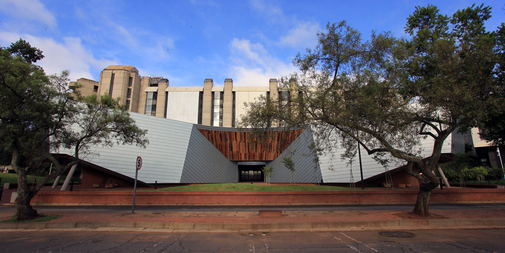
[(251, 172)]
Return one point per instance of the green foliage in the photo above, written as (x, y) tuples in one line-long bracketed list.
[(495, 174), (23, 49), (493, 128), (467, 167), (267, 171), (461, 161), (386, 94), (491, 182), (253, 187), (288, 163), (38, 115), (475, 173)]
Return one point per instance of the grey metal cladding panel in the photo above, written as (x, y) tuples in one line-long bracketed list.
[(205, 163), (335, 170), (303, 159), (163, 158)]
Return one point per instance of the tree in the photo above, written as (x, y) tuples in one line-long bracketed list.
[(290, 165), (386, 94), (267, 170), (38, 114)]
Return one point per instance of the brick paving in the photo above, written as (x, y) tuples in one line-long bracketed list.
[(253, 217), (249, 217)]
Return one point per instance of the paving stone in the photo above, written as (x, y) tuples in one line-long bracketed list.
[(31, 225), (62, 225), (157, 225), (120, 224)]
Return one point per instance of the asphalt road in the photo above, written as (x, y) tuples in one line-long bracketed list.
[(254, 208), (482, 240)]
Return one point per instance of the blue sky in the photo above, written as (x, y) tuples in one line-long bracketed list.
[(188, 41)]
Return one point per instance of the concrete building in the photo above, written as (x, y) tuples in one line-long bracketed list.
[(206, 105), (193, 138)]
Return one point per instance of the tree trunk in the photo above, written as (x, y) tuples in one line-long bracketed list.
[(427, 182), (24, 211), (422, 207)]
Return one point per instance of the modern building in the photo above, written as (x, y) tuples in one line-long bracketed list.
[(193, 138), (205, 105)]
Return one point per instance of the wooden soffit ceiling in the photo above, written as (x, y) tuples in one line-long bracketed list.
[(240, 146)]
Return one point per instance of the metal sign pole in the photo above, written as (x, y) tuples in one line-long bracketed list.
[(138, 165), (134, 190)]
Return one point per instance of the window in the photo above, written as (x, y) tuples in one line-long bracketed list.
[(111, 84), (127, 105), (151, 103), (200, 107), (233, 110), (95, 88), (129, 93), (130, 81), (166, 105), (283, 98), (217, 108)]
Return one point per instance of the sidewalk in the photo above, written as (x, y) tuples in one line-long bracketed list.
[(113, 219), (125, 220)]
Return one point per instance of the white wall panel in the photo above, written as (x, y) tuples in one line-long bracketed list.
[(244, 97), (163, 158), (303, 159), (334, 170), (206, 164), (183, 106)]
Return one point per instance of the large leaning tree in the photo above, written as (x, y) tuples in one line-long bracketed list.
[(39, 114), (387, 94)]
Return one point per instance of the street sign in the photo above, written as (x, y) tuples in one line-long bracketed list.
[(139, 162), (138, 165)]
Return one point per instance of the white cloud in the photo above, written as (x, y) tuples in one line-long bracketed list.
[(303, 35), (29, 9), (126, 37), (267, 9), (69, 55), (253, 65)]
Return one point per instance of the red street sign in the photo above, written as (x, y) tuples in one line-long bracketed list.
[(138, 164)]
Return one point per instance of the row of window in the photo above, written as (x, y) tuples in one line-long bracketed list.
[(217, 104)]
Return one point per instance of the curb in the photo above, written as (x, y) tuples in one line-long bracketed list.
[(273, 227)]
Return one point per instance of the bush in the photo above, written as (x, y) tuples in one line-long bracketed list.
[(475, 173), (494, 174), (451, 175)]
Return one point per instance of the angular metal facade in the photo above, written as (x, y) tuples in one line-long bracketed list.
[(306, 170), (178, 152), (205, 163)]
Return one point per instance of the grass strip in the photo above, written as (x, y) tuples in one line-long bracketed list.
[(250, 187)]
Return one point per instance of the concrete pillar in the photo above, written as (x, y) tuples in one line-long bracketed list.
[(56, 181), (273, 86), (134, 101), (274, 89), (162, 98), (207, 102), (441, 172), (228, 103), (142, 94), (293, 90), (69, 176)]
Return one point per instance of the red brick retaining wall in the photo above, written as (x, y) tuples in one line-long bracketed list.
[(267, 198)]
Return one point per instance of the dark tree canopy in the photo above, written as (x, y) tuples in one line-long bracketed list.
[(39, 114), (386, 94)]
